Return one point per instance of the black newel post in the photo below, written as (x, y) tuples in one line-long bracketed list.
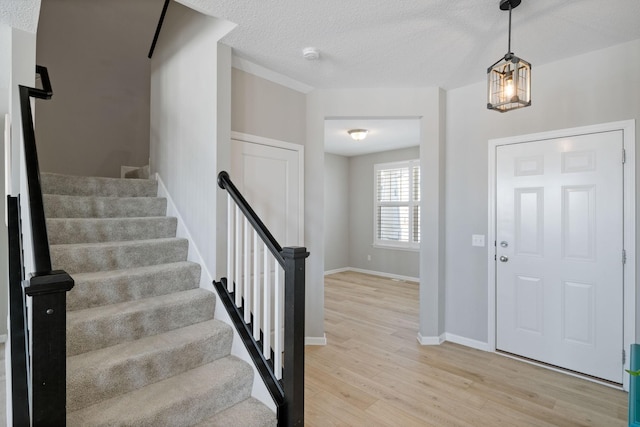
[(294, 309), (49, 351)]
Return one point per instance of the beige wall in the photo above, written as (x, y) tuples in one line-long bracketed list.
[(96, 53), (263, 108)]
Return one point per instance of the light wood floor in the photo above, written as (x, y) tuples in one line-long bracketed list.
[(373, 372)]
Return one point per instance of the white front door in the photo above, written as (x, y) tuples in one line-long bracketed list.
[(269, 179), (559, 250)]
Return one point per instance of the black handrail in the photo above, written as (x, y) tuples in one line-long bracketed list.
[(47, 350), (288, 394), (225, 183), (158, 28), (41, 255)]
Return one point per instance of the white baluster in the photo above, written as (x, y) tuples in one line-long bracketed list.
[(247, 272), (266, 305), (230, 243), (256, 287), (277, 366), (238, 275)]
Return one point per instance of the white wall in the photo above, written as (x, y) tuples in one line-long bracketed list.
[(184, 120), (597, 87), (336, 212), (361, 218), (427, 104)]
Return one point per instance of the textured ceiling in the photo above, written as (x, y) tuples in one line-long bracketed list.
[(21, 14), (413, 43), (382, 43)]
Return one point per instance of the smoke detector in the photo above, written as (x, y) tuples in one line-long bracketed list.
[(310, 53)]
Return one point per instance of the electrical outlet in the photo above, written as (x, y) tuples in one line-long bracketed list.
[(368, 257), (477, 240)]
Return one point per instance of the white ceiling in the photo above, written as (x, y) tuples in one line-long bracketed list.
[(408, 43), (384, 135)]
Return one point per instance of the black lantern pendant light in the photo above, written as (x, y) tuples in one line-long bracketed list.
[(509, 79)]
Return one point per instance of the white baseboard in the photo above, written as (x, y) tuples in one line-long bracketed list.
[(337, 270), (259, 390), (193, 255), (316, 340), (430, 340), (374, 273), (467, 342)]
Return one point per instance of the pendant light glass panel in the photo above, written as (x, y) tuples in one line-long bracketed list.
[(509, 84)]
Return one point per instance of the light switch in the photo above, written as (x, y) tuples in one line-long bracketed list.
[(477, 240)]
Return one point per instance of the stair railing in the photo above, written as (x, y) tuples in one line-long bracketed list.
[(264, 294), (38, 353)]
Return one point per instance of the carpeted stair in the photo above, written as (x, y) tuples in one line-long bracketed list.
[(142, 344)]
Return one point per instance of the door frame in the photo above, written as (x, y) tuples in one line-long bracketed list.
[(299, 149), (628, 128)]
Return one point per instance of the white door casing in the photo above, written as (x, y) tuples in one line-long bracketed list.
[(562, 295)]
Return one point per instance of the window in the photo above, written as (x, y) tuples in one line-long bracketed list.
[(397, 204)]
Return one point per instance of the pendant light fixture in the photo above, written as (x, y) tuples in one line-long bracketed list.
[(509, 79)]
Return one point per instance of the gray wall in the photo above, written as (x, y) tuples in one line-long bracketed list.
[(361, 195), (577, 91), (96, 53), (263, 108), (336, 212)]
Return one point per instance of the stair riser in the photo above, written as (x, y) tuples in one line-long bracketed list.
[(93, 186), (65, 231), (100, 257), (56, 206), (112, 378), (130, 285), (87, 334)]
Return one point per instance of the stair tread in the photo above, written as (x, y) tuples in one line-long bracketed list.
[(103, 326), (93, 230), (103, 373), (53, 183), (64, 206), (181, 400), (248, 413), (114, 286)]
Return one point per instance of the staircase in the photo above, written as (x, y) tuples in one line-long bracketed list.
[(143, 346)]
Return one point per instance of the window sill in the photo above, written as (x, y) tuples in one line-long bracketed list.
[(396, 247)]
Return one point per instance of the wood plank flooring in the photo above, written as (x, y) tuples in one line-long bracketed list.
[(373, 372)]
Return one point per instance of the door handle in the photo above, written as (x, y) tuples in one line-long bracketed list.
[(504, 258)]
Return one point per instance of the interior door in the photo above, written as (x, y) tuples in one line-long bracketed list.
[(559, 252), (269, 178)]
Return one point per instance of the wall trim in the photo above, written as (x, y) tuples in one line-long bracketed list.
[(628, 128), (316, 340), (259, 390), (431, 340), (374, 273), (193, 255), (267, 74), (467, 342)]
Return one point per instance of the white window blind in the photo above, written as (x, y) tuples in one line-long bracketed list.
[(397, 204)]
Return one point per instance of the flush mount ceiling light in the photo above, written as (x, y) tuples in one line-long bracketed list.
[(358, 134), (509, 79)]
